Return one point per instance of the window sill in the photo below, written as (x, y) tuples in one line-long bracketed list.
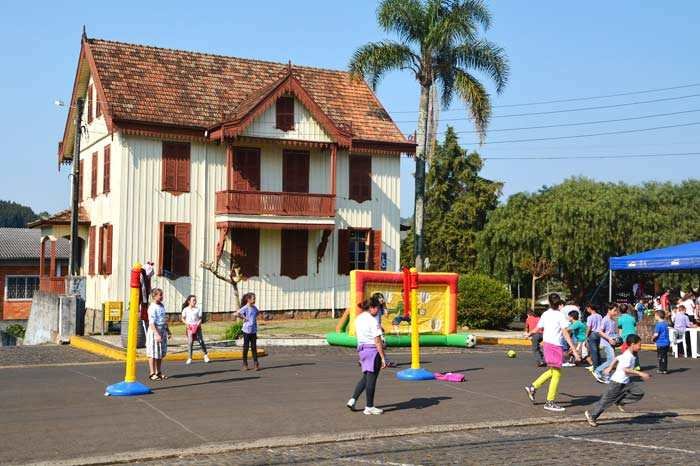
[(174, 193), (18, 300)]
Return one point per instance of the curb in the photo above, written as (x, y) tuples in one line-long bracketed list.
[(315, 439), (99, 348)]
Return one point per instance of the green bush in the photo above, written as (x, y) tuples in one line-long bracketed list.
[(15, 330), (234, 331), (484, 302)]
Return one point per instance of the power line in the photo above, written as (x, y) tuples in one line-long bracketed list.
[(583, 122), (581, 157), (608, 133), (573, 99), (568, 110)]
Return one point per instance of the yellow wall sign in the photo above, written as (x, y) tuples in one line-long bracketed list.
[(113, 311)]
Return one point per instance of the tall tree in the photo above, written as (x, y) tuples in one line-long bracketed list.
[(15, 215), (456, 209), (579, 224), (440, 43)]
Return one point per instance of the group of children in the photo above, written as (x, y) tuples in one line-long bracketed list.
[(158, 332)]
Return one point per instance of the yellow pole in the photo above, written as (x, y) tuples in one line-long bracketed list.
[(134, 314), (415, 340)]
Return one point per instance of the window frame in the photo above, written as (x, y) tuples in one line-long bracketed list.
[(286, 264), (25, 276), (284, 117), (367, 232), (178, 162), (360, 184), (173, 274)]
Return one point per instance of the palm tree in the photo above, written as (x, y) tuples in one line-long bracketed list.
[(439, 42)]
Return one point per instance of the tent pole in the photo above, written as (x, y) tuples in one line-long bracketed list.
[(610, 285)]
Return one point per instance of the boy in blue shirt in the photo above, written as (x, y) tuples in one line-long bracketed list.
[(663, 342)]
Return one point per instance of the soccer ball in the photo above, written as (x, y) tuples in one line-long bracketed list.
[(511, 354), (470, 341)]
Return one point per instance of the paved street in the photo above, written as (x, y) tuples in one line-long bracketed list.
[(301, 392)]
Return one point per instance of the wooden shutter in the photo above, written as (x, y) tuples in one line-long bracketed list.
[(295, 171), (100, 251), (93, 180), (92, 240), (360, 181), (183, 168), (374, 258), (295, 253), (108, 250), (176, 167), (161, 249), (106, 169), (89, 103), (245, 249), (181, 255), (343, 252), (98, 107), (285, 113), (244, 171), (81, 177)]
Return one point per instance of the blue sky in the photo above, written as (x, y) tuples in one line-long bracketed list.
[(557, 50)]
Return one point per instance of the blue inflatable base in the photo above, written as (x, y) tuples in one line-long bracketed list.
[(127, 389), (415, 374)]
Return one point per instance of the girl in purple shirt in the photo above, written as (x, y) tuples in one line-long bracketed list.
[(249, 313)]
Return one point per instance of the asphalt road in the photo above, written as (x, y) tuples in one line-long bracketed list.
[(49, 413)]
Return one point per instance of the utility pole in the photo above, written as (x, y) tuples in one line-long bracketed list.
[(75, 204)]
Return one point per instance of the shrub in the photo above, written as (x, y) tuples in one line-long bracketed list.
[(234, 331), (484, 302), (15, 330)]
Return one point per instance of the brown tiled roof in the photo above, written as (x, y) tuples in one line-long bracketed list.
[(187, 89), (61, 218)]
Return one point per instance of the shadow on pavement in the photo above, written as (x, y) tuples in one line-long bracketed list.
[(676, 371), (282, 366), (467, 370), (200, 374), (581, 400), (168, 387), (416, 403)]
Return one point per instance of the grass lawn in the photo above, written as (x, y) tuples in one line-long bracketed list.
[(270, 328)]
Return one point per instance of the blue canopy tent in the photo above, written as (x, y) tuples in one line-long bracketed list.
[(681, 257)]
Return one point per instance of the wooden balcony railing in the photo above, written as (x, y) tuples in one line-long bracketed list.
[(274, 203), (55, 285)]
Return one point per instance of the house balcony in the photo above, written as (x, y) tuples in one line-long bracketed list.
[(54, 285), (276, 204)]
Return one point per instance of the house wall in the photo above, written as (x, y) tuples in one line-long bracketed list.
[(306, 128), (15, 309)]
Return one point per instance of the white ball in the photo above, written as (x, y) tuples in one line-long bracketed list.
[(470, 341)]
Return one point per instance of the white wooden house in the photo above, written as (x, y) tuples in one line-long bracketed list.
[(292, 171)]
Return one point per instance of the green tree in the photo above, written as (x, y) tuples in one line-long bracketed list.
[(15, 215), (456, 209), (440, 43), (579, 224)]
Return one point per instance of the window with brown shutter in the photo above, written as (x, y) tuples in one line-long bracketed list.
[(174, 250), (375, 250), (98, 107), (93, 180), (295, 252), (295, 171), (88, 103), (360, 181), (105, 254), (81, 177), (244, 169), (92, 245), (176, 167), (285, 113), (245, 250), (106, 169)]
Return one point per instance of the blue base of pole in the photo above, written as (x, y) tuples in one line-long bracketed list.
[(127, 389), (415, 374)]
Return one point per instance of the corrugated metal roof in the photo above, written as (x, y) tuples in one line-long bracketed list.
[(23, 243)]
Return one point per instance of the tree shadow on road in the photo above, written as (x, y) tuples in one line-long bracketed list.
[(210, 382), (415, 403)]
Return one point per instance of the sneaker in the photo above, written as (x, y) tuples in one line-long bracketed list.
[(598, 377), (541, 364), (590, 368), (661, 372), (568, 364), (637, 368), (351, 404), (591, 422), (189, 361), (620, 408), (552, 406), (206, 358), (372, 410), (531, 392)]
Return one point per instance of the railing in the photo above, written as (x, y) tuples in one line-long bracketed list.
[(274, 203), (55, 285)]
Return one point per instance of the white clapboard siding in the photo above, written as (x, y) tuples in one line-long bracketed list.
[(306, 128)]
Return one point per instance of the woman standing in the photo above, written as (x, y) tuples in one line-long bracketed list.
[(371, 353), (157, 335), (249, 312), (192, 318)]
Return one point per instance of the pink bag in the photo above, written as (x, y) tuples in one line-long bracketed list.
[(449, 377), (192, 329)]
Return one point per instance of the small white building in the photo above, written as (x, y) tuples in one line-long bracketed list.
[(290, 171)]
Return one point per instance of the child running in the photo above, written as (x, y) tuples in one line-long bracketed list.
[(620, 391), (249, 312), (157, 335), (192, 318), (370, 349), (577, 329), (555, 329), (662, 340), (594, 324), (609, 339)]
